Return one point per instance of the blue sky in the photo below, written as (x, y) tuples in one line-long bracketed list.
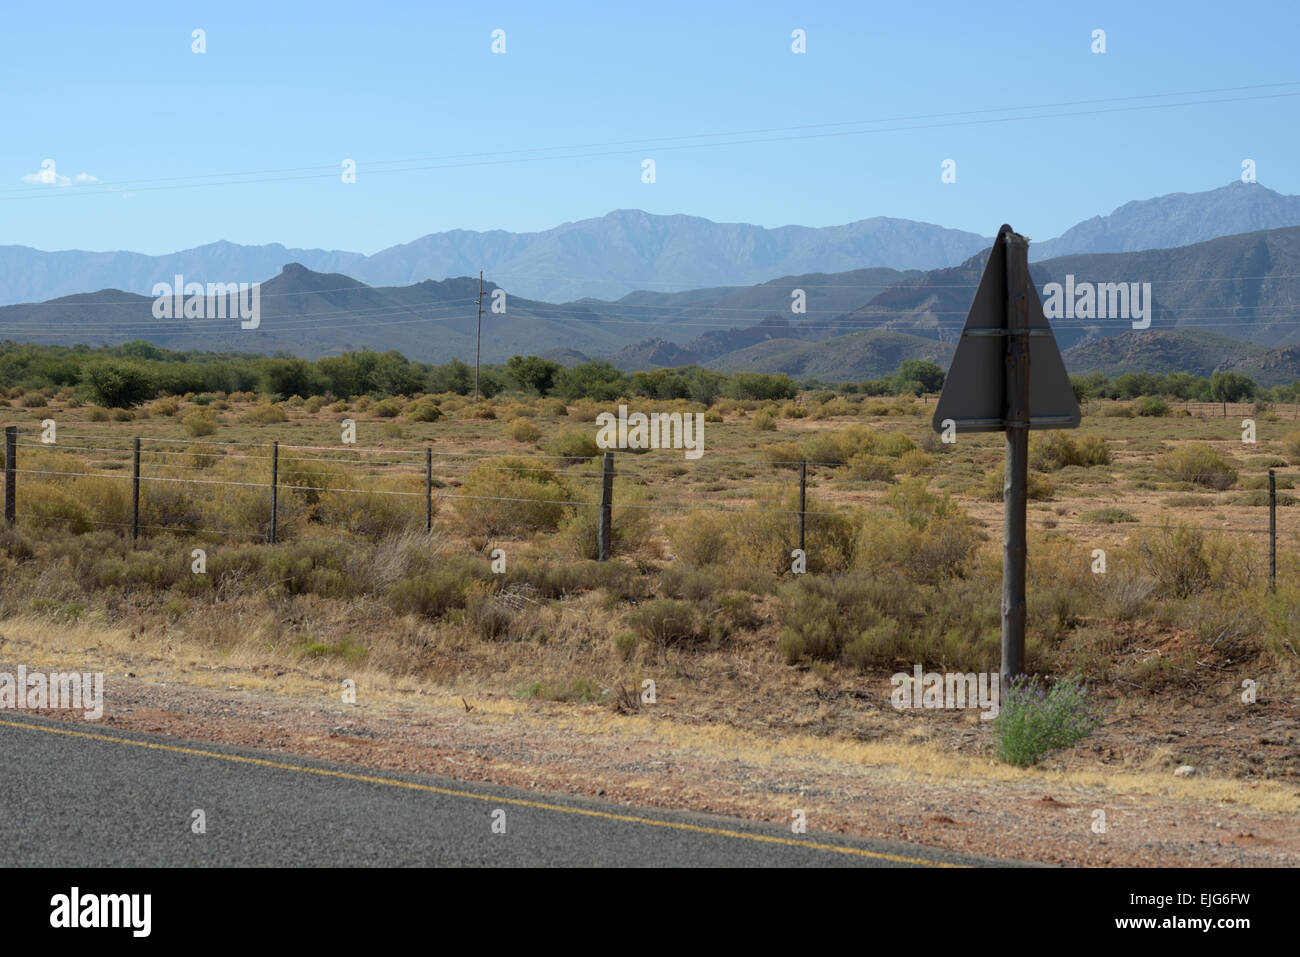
[(287, 91)]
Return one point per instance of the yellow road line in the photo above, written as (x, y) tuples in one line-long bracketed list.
[(496, 799)]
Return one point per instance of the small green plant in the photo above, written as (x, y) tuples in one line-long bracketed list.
[(1034, 719)]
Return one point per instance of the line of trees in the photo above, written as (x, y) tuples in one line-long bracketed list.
[(126, 375), (1219, 387), (135, 372)]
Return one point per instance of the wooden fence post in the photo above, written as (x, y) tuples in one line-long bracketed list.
[(606, 507), (135, 488), (11, 471), (275, 483)]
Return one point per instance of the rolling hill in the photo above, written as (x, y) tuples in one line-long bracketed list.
[(859, 355), (1246, 287)]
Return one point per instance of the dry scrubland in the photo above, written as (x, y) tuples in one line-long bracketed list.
[(903, 542)]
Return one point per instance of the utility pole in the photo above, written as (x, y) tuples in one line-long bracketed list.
[(478, 338)]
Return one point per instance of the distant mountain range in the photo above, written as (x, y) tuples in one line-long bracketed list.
[(1178, 219), (314, 314), (1227, 304), (630, 250), (607, 257)]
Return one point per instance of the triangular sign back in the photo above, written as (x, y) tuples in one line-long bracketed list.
[(974, 392)]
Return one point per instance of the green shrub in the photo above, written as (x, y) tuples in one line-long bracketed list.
[(1034, 719), (1152, 405), (702, 539), (625, 644), (136, 570), (928, 538), (914, 463), (872, 467), (937, 552), (1199, 465), (560, 579), (1054, 451), (264, 414), (1185, 560), (116, 384), (666, 622), (523, 430), (511, 496), (426, 410), (53, 505), (573, 447), (763, 422), (808, 626), (199, 424), (387, 409), (824, 448), (200, 456), (630, 527), (893, 444), (914, 503), (783, 453), (1093, 451)]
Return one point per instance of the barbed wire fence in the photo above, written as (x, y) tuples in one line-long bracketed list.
[(407, 463)]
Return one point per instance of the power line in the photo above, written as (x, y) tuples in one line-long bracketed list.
[(332, 168), (667, 145)]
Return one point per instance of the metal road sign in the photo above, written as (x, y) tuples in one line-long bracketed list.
[(1007, 375), (974, 394)]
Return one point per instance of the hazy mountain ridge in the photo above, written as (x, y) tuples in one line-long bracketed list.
[(1176, 219), (607, 257), (625, 251), (1245, 287)]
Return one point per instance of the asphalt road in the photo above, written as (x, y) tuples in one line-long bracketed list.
[(77, 795)]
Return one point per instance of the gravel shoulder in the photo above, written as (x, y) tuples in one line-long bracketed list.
[(894, 787)]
